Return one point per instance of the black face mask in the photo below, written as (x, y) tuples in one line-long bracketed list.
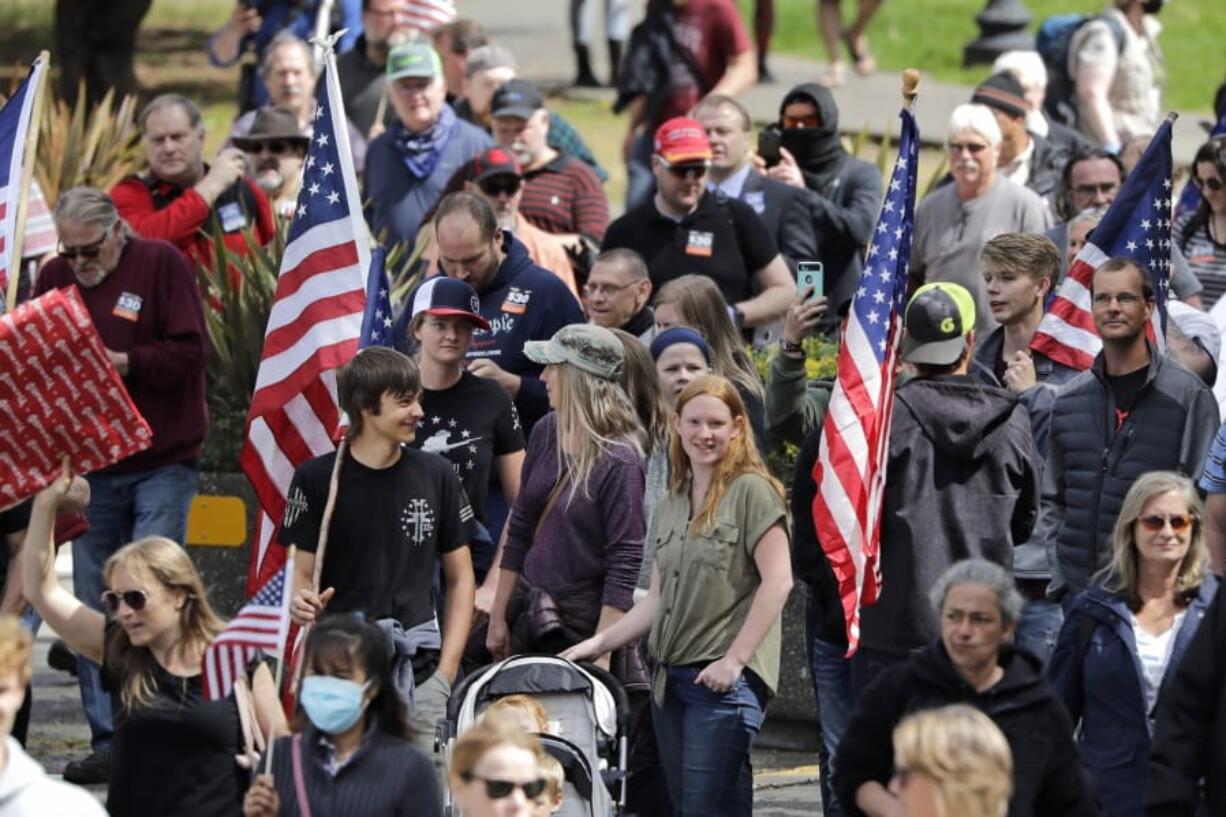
[(1153, 6)]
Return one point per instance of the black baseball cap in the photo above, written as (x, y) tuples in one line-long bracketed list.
[(449, 297), (937, 321), (517, 97)]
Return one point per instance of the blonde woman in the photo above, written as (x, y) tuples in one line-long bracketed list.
[(951, 762), (1122, 640), (695, 301), (174, 751), (575, 535), (496, 769), (722, 574)]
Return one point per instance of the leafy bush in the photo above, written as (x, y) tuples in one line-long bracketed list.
[(96, 147)]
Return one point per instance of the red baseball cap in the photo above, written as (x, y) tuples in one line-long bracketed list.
[(682, 140)]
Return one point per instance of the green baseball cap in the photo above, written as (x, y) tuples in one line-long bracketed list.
[(413, 59), (586, 346), (937, 319)]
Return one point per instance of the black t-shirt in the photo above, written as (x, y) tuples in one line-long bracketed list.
[(14, 520), (723, 239), (387, 528), (176, 755), (469, 425), (1126, 388)]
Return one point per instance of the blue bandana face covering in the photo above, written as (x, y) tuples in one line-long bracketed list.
[(332, 704)]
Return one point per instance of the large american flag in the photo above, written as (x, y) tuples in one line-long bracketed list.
[(14, 125), (260, 627), (1136, 225), (313, 327), (851, 463)]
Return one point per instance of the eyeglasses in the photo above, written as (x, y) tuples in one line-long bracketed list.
[(1105, 188), (606, 289), (973, 148), (499, 789), (135, 599), (86, 251), (688, 171), (1124, 299), (1155, 522), (1215, 184), (500, 186)]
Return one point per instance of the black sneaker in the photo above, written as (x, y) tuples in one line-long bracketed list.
[(90, 771), (61, 657)]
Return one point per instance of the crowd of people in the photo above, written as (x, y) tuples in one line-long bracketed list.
[(564, 452)]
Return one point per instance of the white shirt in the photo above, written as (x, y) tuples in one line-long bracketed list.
[(1154, 652), (1018, 171)]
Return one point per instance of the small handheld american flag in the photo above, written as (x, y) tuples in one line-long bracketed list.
[(260, 627)]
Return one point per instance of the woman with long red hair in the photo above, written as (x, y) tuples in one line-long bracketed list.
[(720, 578)]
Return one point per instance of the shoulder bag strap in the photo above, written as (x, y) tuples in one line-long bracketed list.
[(304, 805)]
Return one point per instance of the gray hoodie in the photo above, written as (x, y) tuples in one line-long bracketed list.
[(962, 483), (27, 791)]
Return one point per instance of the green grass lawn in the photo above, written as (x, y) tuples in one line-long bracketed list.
[(930, 35)]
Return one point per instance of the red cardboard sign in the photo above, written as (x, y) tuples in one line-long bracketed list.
[(59, 394)]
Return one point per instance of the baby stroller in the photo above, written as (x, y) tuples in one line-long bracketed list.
[(588, 715)]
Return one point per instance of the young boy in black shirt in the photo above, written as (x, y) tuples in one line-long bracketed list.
[(396, 510)]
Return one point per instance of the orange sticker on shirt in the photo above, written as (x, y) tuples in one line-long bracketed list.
[(516, 302), (128, 307), (700, 243)]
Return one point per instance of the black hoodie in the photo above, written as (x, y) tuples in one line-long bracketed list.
[(1048, 780), (962, 483)]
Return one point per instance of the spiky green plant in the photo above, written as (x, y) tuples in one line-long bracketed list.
[(77, 146)]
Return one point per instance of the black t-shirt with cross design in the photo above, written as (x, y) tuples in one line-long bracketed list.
[(387, 528)]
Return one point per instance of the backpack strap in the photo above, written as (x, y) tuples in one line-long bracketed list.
[(1086, 625), (304, 804)]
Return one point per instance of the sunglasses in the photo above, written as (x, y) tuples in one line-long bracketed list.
[(135, 599), (507, 186), (973, 148), (500, 789), (86, 251), (689, 171), (1155, 522), (1215, 184), (277, 147)]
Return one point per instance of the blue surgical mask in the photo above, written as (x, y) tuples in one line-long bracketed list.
[(332, 704)]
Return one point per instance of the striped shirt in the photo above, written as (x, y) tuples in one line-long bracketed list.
[(565, 196), (1206, 259)]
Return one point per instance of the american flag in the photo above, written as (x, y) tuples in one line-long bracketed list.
[(377, 319), (260, 627), (425, 16), (1136, 225), (14, 124), (851, 462), (313, 327)]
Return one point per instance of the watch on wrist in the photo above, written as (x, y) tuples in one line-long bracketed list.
[(790, 348), (738, 317)]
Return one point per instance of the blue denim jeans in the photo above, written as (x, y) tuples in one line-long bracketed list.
[(704, 739), (1038, 627), (122, 509), (835, 701), (640, 181)]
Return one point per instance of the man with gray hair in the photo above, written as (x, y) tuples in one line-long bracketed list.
[(143, 299), (1030, 71), (182, 196), (953, 223), (617, 294)]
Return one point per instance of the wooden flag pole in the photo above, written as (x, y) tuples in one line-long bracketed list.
[(27, 176), (280, 673), (910, 87)]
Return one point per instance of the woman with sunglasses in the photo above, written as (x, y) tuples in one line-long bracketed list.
[(351, 753), (174, 751), (496, 769), (1201, 234), (721, 576), (1122, 639)]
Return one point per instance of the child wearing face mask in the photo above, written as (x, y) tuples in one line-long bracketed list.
[(350, 753)]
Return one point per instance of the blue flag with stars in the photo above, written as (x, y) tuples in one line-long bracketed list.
[(377, 318)]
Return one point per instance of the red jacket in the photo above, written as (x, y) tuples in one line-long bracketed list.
[(184, 218)]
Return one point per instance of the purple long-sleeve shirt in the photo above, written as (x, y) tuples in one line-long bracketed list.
[(593, 536)]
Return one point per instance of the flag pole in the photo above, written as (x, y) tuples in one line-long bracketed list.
[(280, 673), (27, 175), (910, 87)]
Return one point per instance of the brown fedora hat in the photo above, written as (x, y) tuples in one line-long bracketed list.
[(269, 124)]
